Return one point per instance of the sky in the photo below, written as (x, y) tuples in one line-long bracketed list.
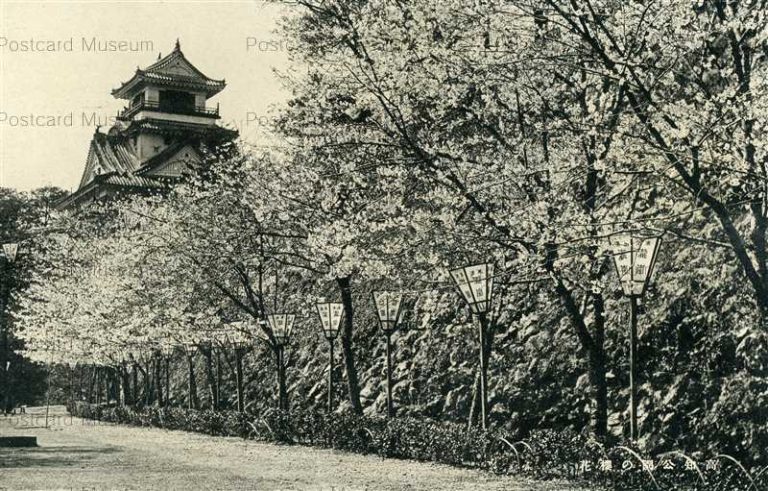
[(60, 60)]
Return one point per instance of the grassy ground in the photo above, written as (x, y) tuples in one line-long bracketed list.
[(77, 454)]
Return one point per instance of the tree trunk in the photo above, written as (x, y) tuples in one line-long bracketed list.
[(126, 383), (597, 369), (135, 384), (91, 385), (98, 385), (167, 381), (592, 344), (148, 384), (72, 386), (218, 377), (141, 395), (474, 405), (113, 387), (353, 383), (193, 401), (159, 380), (81, 373), (5, 382), (210, 377)]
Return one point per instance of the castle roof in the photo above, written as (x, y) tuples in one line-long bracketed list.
[(210, 133), (117, 162), (113, 154), (173, 71)]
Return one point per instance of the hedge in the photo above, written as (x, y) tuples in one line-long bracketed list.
[(546, 454)]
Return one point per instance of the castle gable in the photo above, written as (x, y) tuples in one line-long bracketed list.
[(173, 162), (176, 64), (173, 70)]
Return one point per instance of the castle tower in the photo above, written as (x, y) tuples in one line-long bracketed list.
[(158, 136)]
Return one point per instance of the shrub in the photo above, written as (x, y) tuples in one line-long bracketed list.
[(546, 454)]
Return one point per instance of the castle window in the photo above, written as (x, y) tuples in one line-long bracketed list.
[(175, 101)]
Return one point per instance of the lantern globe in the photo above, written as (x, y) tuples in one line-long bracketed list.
[(330, 318), (475, 283), (388, 310), (11, 250), (282, 327), (634, 259), (190, 348)]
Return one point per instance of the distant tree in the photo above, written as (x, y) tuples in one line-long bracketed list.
[(22, 215)]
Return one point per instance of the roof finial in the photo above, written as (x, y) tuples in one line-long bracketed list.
[(178, 47)]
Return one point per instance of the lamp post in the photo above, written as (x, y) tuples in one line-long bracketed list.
[(48, 389), (235, 336), (475, 283), (239, 347), (330, 317), (191, 349), (282, 327), (388, 309), (10, 250), (634, 258)]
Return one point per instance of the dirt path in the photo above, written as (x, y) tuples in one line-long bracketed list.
[(77, 454)]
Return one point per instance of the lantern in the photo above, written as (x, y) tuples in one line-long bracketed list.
[(330, 318), (476, 285), (282, 327), (634, 258), (388, 309), (10, 251)]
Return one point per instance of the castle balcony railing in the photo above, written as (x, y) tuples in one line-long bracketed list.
[(128, 112)]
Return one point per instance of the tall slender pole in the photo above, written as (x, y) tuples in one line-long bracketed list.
[(282, 403), (390, 405), (72, 386), (239, 375), (483, 373), (168, 381), (148, 383), (330, 375), (191, 381), (99, 381), (218, 378), (4, 357), (279, 394), (48, 395), (284, 389), (633, 367)]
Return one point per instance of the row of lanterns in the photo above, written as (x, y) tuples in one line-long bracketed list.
[(388, 309), (475, 284), (634, 259)]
